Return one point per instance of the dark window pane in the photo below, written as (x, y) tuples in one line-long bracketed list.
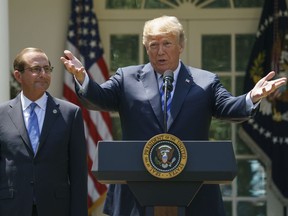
[(244, 44), (124, 51), (116, 128), (248, 3), (156, 4), (226, 81), (216, 52), (220, 130), (146, 58), (257, 208), (240, 146), (217, 4), (239, 85), (251, 178), (228, 208), (123, 4)]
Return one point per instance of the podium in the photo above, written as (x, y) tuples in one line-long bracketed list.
[(120, 162)]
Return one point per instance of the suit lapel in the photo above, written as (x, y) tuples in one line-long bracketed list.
[(16, 115), (51, 114), (150, 84), (183, 85)]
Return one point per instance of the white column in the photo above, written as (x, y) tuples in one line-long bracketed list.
[(4, 52)]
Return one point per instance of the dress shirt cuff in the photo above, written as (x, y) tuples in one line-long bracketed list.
[(82, 88), (249, 104)]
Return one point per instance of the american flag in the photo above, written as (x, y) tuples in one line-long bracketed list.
[(83, 41)]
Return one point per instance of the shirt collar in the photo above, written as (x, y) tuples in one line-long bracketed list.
[(41, 102)]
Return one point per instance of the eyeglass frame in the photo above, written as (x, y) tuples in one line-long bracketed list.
[(38, 69)]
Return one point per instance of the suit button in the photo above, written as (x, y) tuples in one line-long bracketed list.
[(31, 182)]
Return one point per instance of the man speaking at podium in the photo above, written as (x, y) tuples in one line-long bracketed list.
[(196, 96)]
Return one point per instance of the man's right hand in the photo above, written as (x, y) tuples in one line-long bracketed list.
[(73, 66)]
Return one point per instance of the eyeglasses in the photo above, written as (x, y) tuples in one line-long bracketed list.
[(38, 69)]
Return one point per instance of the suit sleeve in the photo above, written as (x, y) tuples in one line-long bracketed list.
[(78, 170)]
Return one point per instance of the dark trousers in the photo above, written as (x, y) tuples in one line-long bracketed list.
[(34, 211)]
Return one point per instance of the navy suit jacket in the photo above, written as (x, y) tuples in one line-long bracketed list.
[(56, 176), (133, 92)]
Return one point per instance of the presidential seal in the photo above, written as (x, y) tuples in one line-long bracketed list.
[(164, 156)]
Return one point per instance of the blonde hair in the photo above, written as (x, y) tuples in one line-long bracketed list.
[(163, 25)]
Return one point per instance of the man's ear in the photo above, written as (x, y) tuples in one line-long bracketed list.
[(181, 47), (17, 75)]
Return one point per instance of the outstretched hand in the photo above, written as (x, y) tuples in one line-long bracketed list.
[(266, 86), (73, 66)]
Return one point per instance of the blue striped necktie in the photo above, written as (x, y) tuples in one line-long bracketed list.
[(169, 99), (33, 127)]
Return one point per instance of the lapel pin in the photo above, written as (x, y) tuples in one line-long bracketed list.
[(55, 111), (187, 81)]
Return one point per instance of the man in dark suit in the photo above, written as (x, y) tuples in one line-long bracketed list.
[(48, 177), (197, 96)]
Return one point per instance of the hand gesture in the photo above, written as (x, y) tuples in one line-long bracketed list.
[(73, 66), (266, 86)]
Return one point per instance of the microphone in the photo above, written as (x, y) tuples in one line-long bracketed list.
[(168, 78)]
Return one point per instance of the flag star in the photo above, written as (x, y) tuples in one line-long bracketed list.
[(93, 43), (85, 20), (92, 55), (93, 21), (261, 130), (71, 34), (274, 140), (93, 32), (268, 134), (80, 42), (85, 31), (77, 9), (255, 126)]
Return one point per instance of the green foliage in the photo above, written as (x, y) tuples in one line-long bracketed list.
[(15, 87)]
